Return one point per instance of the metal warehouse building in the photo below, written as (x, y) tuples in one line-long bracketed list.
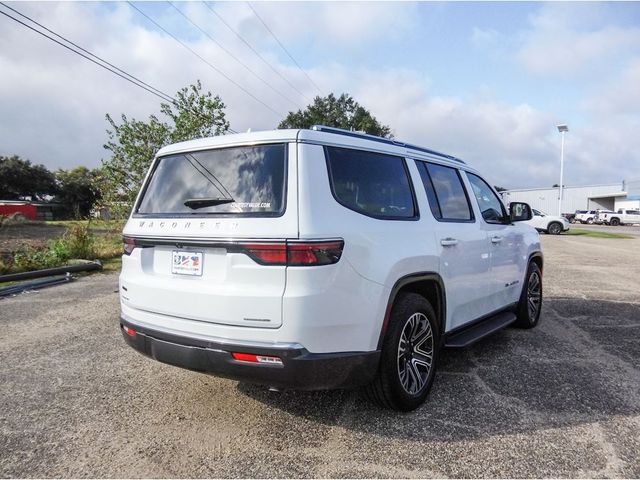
[(588, 197)]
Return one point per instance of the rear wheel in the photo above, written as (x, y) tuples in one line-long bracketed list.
[(409, 355), (554, 228), (530, 304), (590, 221), (614, 222)]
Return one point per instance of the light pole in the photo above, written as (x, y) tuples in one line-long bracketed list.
[(562, 129)]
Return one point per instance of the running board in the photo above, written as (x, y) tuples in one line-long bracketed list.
[(480, 330)]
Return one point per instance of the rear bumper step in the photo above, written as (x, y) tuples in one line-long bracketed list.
[(300, 369)]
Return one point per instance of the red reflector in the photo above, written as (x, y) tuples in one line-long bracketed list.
[(129, 331), (245, 357), (250, 357)]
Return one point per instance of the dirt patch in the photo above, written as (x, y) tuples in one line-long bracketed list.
[(29, 234)]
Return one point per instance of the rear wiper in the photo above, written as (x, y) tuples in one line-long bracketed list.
[(196, 203)]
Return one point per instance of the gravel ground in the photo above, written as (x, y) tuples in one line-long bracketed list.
[(562, 400)]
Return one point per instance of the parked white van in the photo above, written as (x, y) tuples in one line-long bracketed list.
[(322, 258)]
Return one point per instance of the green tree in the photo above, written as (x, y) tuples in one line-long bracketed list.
[(21, 180), (77, 191), (134, 143), (341, 112)]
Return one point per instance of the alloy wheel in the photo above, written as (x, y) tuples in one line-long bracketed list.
[(415, 353), (534, 295)]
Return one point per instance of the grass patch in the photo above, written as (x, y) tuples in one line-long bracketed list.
[(597, 234), (82, 240)]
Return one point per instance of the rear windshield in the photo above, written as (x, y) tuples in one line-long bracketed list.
[(240, 180)]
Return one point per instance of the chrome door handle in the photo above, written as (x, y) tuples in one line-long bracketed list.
[(448, 242), (496, 239)]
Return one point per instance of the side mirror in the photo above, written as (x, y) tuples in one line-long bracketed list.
[(520, 212)]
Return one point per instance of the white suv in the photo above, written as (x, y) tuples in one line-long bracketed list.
[(551, 224), (322, 258)]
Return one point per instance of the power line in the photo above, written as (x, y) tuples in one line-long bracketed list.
[(168, 97), (254, 50), (114, 69), (230, 54), (148, 88), (283, 47), (205, 61)]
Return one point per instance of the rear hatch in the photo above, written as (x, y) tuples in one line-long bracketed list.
[(205, 231)]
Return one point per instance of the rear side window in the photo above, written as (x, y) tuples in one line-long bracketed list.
[(241, 181), (446, 194), (373, 184)]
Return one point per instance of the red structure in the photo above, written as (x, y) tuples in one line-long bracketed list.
[(29, 211)]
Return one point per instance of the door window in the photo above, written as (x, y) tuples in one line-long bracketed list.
[(446, 194), (491, 207)]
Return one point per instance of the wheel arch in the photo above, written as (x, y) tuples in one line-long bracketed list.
[(538, 258), (428, 284)]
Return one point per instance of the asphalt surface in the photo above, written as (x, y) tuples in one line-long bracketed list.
[(562, 400)]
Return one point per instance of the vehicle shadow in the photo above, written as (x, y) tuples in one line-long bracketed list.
[(581, 365)]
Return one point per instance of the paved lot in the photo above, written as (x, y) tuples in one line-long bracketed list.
[(561, 400)]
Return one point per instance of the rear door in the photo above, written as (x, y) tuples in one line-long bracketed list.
[(207, 235)]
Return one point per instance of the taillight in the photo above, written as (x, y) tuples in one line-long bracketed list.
[(295, 254), (129, 245), (266, 253), (314, 253)]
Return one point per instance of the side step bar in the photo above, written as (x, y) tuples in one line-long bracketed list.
[(486, 327)]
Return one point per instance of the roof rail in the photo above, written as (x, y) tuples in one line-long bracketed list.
[(388, 141)]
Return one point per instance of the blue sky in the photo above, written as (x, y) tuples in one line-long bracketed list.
[(487, 82)]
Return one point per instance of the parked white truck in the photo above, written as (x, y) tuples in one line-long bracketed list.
[(621, 217)]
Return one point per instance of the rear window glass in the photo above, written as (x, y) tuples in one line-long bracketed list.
[(370, 183), (240, 180)]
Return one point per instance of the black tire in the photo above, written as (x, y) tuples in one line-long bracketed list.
[(614, 222), (391, 389), (530, 304), (554, 228), (590, 221), (573, 220)]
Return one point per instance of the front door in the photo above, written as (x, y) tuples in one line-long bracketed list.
[(506, 246)]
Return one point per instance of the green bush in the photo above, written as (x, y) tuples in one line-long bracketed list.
[(79, 242), (30, 258)]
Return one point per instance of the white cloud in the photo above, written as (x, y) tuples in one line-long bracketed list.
[(574, 39), (53, 103)]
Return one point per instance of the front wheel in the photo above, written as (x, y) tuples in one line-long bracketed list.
[(590, 221), (530, 304), (409, 355), (554, 228)]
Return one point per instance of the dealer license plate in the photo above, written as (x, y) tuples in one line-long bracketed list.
[(186, 263)]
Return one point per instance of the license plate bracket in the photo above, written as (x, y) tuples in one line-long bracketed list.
[(185, 262)]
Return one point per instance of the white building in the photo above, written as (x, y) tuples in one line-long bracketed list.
[(610, 196)]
